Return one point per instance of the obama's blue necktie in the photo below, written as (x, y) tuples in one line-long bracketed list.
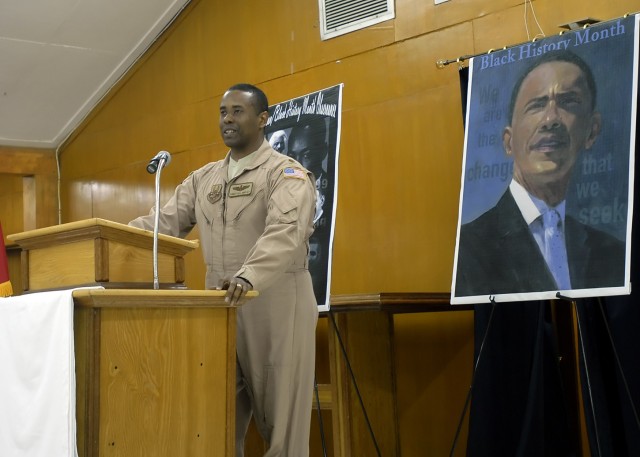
[(555, 252)]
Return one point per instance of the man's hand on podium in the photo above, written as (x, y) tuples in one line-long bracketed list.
[(236, 288)]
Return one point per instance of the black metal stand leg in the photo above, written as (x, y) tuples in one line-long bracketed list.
[(473, 378), (355, 384), (320, 422), (588, 378), (618, 364)]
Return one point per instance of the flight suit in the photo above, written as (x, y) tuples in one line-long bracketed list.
[(257, 226)]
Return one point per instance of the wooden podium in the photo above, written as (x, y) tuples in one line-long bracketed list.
[(99, 252), (155, 369)]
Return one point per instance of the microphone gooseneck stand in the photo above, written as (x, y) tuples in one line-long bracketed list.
[(162, 160)]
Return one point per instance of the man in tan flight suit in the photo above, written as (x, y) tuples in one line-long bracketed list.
[(255, 213)]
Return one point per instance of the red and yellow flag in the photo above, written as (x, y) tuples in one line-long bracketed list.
[(5, 285)]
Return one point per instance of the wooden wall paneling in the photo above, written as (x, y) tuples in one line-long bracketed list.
[(397, 199), (323, 359), (321, 434), (24, 269), (412, 18), (27, 161), (379, 83), (262, 51), (383, 73), (315, 442), (76, 200), (417, 57), (37, 171), (46, 201), (29, 203), (322, 429), (39, 201), (10, 184), (11, 206), (372, 368), (14, 261), (434, 363), (122, 195), (415, 17), (490, 34)]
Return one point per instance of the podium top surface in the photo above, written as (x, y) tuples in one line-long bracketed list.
[(127, 298), (74, 230)]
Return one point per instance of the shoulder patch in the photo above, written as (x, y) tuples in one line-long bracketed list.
[(290, 172)]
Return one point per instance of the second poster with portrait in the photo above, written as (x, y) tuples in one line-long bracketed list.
[(547, 183), (307, 128)]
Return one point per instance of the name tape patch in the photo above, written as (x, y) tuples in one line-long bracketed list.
[(240, 189)]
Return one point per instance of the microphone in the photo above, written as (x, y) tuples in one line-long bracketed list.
[(156, 165), (163, 156)]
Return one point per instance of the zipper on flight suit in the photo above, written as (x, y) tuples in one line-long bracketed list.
[(224, 223), (224, 210), (224, 203)]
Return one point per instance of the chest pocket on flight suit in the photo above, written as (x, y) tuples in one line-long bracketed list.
[(250, 204), (208, 210)]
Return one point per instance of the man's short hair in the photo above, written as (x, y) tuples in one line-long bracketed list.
[(555, 56), (258, 98)]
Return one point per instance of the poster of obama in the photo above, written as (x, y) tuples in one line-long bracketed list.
[(307, 129), (547, 182)]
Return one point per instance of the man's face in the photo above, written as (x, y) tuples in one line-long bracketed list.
[(278, 145), (308, 151), (240, 126), (277, 142), (552, 122)]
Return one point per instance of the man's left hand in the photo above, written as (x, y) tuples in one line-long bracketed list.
[(236, 288)]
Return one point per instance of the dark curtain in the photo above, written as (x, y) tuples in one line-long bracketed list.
[(519, 404), (464, 88)]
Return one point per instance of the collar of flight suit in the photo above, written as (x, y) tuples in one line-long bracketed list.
[(263, 154)]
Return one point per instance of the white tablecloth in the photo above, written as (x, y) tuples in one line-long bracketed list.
[(37, 376)]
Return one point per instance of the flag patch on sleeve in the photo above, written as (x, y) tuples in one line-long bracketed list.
[(290, 172)]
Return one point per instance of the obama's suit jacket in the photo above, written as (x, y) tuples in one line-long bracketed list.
[(497, 254)]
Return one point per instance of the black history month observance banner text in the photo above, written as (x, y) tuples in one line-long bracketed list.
[(307, 128)]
